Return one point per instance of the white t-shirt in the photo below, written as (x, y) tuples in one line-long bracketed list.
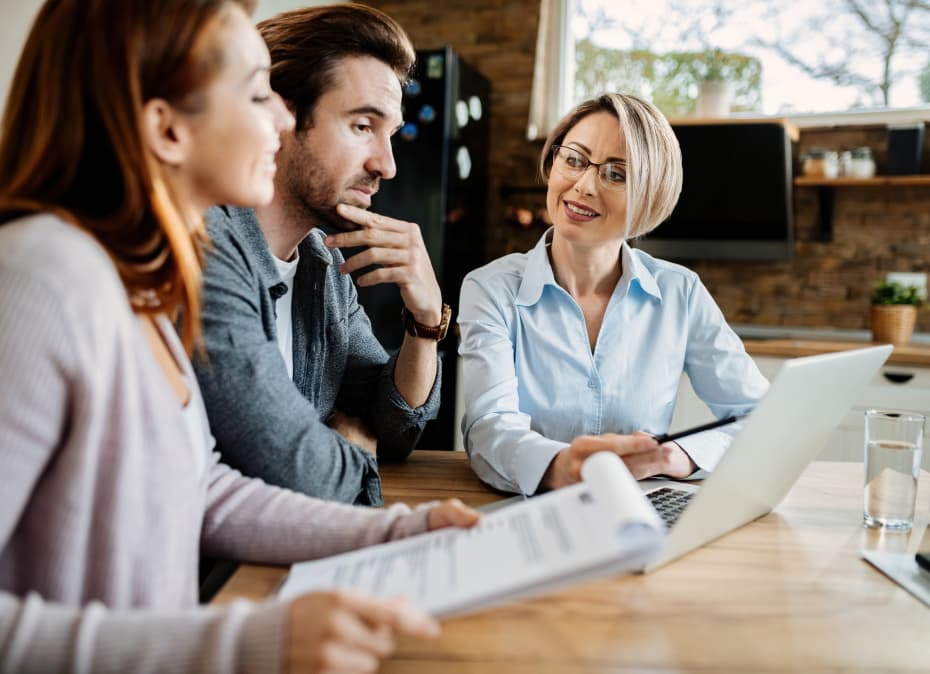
[(287, 271)]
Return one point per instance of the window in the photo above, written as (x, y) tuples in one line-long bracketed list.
[(778, 57)]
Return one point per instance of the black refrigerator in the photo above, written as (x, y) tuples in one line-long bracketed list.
[(441, 184)]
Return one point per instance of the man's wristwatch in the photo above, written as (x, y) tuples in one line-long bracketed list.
[(436, 332)]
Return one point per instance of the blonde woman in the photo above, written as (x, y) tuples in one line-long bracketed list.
[(579, 345)]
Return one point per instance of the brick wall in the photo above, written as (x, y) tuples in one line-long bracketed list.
[(499, 39), (875, 230), (827, 284)]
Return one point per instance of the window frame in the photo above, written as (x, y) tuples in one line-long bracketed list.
[(564, 85)]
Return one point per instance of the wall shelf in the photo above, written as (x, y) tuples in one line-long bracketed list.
[(877, 181), (826, 192)]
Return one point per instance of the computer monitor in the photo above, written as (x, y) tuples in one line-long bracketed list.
[(736, 198)]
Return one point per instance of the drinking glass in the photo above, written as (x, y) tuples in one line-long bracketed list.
[(893, 445)]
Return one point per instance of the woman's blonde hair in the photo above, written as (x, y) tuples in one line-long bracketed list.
[(71, 141), (653, 157)]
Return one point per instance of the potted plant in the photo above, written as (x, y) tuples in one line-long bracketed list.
[(894, 312), (715, 89)]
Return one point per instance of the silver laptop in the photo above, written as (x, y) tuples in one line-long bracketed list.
[(806, 401)]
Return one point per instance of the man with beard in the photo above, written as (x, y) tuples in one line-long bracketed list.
[(298, 390)]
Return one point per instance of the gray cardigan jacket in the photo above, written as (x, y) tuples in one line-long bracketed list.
[(268, 425)]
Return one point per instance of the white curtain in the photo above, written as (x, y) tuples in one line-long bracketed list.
[(268, 8), (554, 69)]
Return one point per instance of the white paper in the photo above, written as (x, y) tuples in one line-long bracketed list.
[(603, 525), (902, 569)]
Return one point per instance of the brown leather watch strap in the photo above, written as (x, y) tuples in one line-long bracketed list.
[(436, 332)]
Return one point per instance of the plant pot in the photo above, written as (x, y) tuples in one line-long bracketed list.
[(714, 98), (893, 323)]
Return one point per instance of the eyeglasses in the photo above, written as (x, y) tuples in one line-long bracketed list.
[(572, 164)]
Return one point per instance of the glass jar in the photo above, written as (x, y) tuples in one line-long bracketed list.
[(861, 163), (845, 163), (820, 163)]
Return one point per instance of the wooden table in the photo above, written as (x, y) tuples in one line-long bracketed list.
[(787, 593)]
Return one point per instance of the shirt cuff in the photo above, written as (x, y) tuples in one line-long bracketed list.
[(430, 407), (530, 464), (370, 495), (263, 637), (705, 449)]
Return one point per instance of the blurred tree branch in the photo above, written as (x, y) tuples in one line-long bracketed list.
[(860, 44)]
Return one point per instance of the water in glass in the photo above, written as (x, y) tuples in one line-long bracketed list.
[(892, 467)]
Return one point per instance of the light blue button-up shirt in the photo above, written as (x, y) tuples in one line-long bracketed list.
[(532, 383)]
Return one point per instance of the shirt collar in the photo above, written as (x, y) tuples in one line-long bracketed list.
[(538, 273), (635, 270), (314, 247), (311, 248)]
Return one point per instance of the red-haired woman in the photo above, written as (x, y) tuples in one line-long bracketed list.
[(125, 121)]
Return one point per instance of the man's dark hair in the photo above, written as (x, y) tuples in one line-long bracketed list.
[(306, 46)]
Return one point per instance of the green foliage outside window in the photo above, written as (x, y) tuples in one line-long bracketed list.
[(671, 80), (923, 81)]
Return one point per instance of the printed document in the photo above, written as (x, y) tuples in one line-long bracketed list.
[(600, 526)]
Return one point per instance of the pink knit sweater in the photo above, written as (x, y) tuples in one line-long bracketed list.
[(102, 510)]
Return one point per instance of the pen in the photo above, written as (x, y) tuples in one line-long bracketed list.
[(668, 437), (923, 560)]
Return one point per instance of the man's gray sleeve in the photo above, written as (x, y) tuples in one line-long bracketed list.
[(263, 425), (368, 390)]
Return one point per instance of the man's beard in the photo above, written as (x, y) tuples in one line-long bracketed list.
[(314, 194)]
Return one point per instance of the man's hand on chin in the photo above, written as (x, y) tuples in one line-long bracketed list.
[(397, 246)]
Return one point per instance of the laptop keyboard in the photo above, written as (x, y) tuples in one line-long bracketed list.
[(669, 503)]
